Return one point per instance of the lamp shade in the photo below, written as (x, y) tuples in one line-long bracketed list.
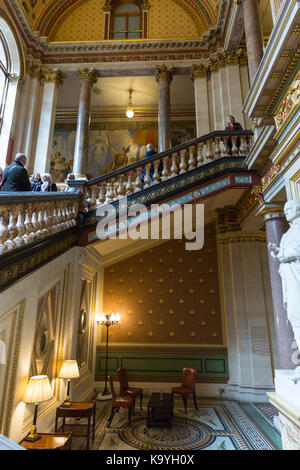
[(69, 370), (38, 389)]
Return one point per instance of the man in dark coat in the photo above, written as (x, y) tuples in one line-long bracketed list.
[(15, 176)]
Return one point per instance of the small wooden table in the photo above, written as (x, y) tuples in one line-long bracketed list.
[(78, 409), (160, 409), (49, 441)]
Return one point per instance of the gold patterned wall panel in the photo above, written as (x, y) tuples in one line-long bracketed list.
[(172, 19), (86, 318), (82, 22), (10, 332), (167, 295)]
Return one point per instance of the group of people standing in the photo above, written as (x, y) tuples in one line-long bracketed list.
[(15, 178)]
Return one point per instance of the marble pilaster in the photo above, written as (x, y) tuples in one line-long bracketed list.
[(52, 80), (254, 36), (246, 304), (164, 78), (199, 76)]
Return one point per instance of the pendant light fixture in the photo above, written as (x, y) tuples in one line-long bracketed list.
[(130, 112)]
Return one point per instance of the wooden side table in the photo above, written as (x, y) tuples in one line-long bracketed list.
[(49, 441), (78, 409), (160, 409)]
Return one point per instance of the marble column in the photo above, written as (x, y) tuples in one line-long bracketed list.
[(199, 76), (87, 78), (254, 37), (164, 78), (32, 114), (276, 226), (52, 80)]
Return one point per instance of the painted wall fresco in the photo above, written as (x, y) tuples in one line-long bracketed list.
[(108, 150)]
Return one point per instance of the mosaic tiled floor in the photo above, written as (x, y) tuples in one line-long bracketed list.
[(216, 425)]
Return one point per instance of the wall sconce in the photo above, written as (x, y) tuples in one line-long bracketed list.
[(38, 390), (69, 370), (130, 112), (107, 320)]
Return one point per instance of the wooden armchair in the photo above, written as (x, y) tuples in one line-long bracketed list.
[(125, 390), (119, 402), (188, 386)]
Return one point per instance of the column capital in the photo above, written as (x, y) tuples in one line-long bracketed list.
[(52, 75), (199, 71), (86, 74), (228, 220), (238, 2), (13, 77), (35, 71), (271, 210), (163, 73)]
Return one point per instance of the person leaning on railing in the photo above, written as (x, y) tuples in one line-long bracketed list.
[(15, 176), (232, 124)]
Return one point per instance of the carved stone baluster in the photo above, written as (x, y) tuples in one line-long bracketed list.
[(156, 176), (225, 146), (234, 150), (20, 226), (200, 156), (3, 230), (12, 230), (174, 168), (138, 182), (35, 222), (165, 174), (120, 187), (244, 150), (47, 219), (102, 192), (192, 159), (147, 179), (209, 155), (217, 153), (64, 223), (129, 185), (55, 217), (183, 164), (28, 236), (92, 202), (109, 197)]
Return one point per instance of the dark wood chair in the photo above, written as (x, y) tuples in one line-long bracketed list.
[(119, 402), (188, 386), (125, 390)]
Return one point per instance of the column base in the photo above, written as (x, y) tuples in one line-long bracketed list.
[(248, 393), (81, 178), (286, 400)]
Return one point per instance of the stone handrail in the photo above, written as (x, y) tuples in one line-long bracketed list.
[(26, 217), (176, 161)]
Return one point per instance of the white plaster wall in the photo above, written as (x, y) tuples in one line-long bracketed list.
[(16, 416)]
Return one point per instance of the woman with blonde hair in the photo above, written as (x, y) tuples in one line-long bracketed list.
[(47, 185)]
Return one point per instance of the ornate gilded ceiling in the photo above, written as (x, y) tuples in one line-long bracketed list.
[(44, 15)]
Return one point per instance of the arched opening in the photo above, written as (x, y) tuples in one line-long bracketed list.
[(10, 67), (126, 20)]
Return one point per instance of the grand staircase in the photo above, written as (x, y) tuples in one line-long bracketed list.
[(37, 227)]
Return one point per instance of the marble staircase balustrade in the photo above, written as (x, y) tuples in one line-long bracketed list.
[(28, 217), (176, 161)]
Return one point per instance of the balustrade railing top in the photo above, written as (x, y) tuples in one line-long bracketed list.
[(163, 166)]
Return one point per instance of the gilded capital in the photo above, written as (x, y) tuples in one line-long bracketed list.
[(35, 71), (13, 78), (52, 75), (87, 75), (199, 71), (163, 73)]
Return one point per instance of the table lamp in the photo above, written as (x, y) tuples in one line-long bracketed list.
[(69, 370), (37, 391)]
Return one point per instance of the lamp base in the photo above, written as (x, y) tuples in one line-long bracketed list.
[(104, 396), (66, 404), (32, 438)]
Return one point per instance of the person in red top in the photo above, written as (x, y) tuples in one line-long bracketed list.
[(232, 125)]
